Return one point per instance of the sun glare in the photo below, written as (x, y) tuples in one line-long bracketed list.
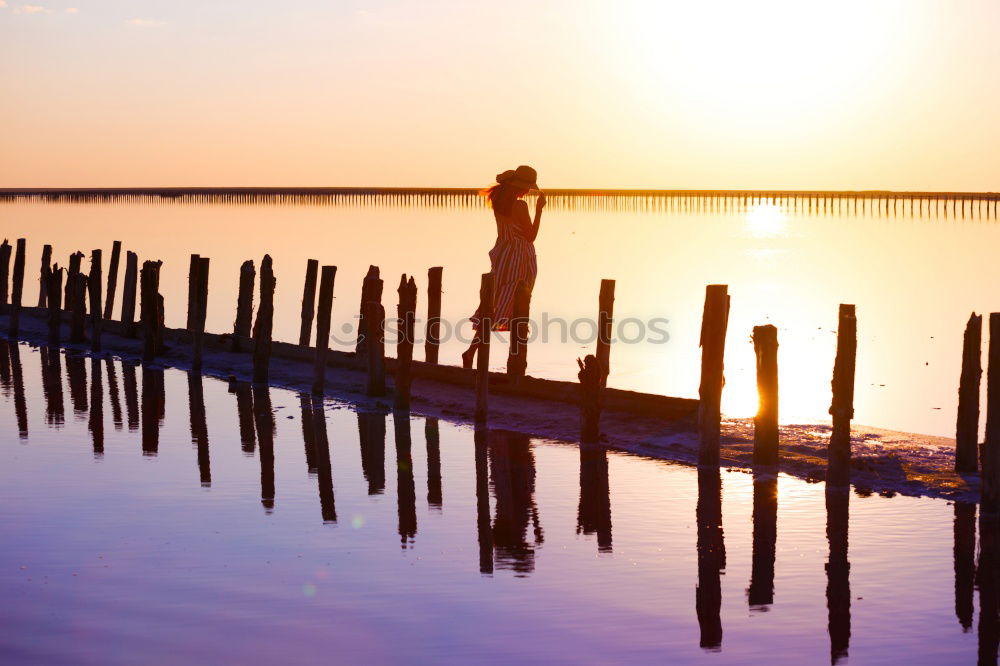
[(766, 220)]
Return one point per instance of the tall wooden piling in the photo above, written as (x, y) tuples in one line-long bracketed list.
[(407, 313), (326, 279), (483, 334), (263, 327), (109, 303), (4, 273), (715, 321), (75, 260), (765, 423), (590, 377), (371, 290), (244, 306), (17, 289), (201, 311), (94, 287), (433, 341), (150, 305), (46, 267), (967, 426), (128, 293), (605, 319), (78, 307), (53, 300), (374, 346), (517, 357), (990, 482), (838, 471), (308, 302), (192, 291)]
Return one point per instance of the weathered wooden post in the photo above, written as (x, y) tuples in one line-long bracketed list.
[(407, 313), (109, 304), (192, 291), (765, 424), (308, 302), (590, 376), (990, 482), (54, 302), (605, 317), (265, 322), (326, 279), (78, 322), (714, 322), (201, 311), (517, 357), (433, 342), (44, 274), (94, 287), (371, 290), (75, 260), (838, 471), (483, 334), (374, 345), (244, 306), (17, 289), (149, 308), (967, 428), (4, 273), (128, 293)]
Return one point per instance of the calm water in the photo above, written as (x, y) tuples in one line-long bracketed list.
[(915, 270), (152, 517)]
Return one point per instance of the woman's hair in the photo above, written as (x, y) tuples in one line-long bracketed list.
[(501, 197)]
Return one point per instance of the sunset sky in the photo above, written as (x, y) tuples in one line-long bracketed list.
[(871, 94)]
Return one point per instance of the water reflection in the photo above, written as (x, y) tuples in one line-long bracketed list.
[(371, 433), (317, 449), (244, 410), (965, 562), (95, 422), (838, 573), (199, 426), (406, 493), (52, 386), (153, 409), (114, 395), (988, 583), (130, 383), (264, 422), (433, 436), (760, 594), (484, 526), (512, 472), (10, 353), (593, 515), (711, 558), (76, 373)]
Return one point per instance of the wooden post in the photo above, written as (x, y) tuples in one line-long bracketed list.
[(433, 342), (605, 317), (407, 313), (371, 290), (149, 309), (838, 471), (765, 424), (44, 274), (4, 273), (264, 325), (244, 306), (714, 322), (78, 308), (201, 303), (590, 377), (990, 482), (517, 357), (192, 291), (54, 301), (75, 260), (128, 293), (109, 304), (483, 348), (308, 302), (326, 279), (17, 289), (374, 318), (967, 427), (94, 287)]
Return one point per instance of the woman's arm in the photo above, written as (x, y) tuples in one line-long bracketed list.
[(539, 205)]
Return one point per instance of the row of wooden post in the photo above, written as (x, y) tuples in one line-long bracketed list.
[(970, 457)]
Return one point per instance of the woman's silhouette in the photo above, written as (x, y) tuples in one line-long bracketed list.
[(512, 258)]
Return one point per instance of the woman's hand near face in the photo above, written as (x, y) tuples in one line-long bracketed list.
[(540, 201)]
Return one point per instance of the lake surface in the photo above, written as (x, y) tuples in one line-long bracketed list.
[(915, 270), (153, 516)]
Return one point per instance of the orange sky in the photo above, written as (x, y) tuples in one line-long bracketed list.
[(893, 94)]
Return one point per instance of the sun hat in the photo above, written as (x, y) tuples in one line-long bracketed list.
[(522, 176)]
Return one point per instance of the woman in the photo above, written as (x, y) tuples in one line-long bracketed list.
[(512, 258)]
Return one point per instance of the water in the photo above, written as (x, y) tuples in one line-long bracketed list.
[(146, 521), (914, 268)]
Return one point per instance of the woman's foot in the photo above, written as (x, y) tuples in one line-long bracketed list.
[(467, 357)]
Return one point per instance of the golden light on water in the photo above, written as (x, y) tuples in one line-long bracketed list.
[(766, 220)]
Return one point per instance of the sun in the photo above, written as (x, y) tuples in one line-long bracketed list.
[(766, 220)]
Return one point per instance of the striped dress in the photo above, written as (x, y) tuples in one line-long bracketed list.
[(512, 259)]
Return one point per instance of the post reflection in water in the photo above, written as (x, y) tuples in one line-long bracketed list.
[(965, 562), (371, 433), (153, 410), (406, 492), (760, 594), (433, 436), (130, 383), (199, 426), (593, 515), (5, 384), (113, 394), (12, 353), (308, 432), (711, 558), (264, 420), (76, 372), (988, 583), (244, 410), (95, 423), (52, 386), (484, 527), (317, 446), (838, 572), (512, 468)]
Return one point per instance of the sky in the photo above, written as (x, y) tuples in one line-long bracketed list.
[(782, 94)]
